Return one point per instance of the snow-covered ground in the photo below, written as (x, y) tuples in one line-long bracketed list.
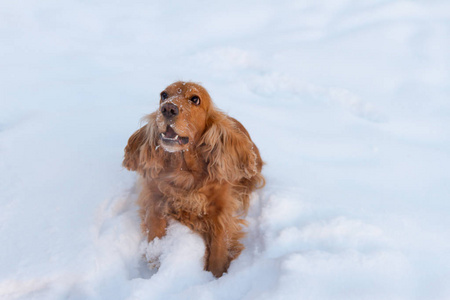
[(348, 101)]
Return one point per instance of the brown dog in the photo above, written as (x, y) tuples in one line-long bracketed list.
[(199, 167)]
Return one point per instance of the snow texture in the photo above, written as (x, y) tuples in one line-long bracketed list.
[(348, 102)]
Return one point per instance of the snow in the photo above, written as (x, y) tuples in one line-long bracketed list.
[(348, 102)]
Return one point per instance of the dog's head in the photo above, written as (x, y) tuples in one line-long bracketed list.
[(182, 115), (187, 120)]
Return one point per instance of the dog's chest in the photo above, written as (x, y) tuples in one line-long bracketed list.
[(181, 184), (183, 172)]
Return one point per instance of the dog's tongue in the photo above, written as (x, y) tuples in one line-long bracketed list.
[(170, 133)]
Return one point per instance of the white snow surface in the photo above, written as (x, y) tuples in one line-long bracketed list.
[(348, 101)]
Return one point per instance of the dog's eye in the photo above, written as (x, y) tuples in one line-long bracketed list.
[(164, 95), (195, 100)]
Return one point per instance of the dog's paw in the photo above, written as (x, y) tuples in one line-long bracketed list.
[(154, 263), (151, 253)]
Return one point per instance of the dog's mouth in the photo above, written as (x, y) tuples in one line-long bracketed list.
[(170, 136)]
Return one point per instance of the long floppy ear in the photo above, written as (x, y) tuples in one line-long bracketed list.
[(227, 149), (132, 150), (142, 146)]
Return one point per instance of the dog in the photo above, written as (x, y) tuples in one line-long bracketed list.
[(197, 166)]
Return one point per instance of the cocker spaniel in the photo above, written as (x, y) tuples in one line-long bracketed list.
[(197, 166)]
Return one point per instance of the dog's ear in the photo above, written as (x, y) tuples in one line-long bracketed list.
[(227, 150), (133, 149), (142, 146)]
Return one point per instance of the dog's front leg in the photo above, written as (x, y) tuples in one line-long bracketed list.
[(155, 226), (153, 221), (217, 261)]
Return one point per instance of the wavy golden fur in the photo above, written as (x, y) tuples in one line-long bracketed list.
[(197, 166)]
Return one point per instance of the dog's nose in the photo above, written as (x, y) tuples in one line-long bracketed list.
[(169, 110)]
